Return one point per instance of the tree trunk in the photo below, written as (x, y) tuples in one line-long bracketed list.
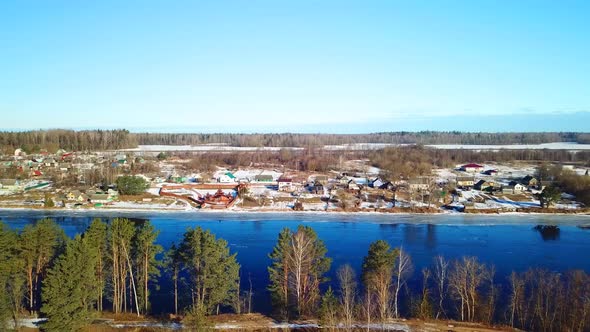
[(132, 279)]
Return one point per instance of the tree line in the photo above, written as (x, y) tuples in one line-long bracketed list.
[(110, 266), (92, 140), (71, 140), (114, 267), (315, 140)]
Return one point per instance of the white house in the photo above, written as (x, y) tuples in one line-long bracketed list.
[(472, 168), (285, 184), (513, 188), (226, 177)]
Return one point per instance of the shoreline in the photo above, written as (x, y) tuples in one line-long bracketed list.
[(449, 213)]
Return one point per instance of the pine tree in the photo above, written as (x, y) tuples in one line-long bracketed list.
[(173, 265), (12, 278), (40, 245), (96, 238), (120, 233), (279, 274), (377, 274), (329, 308), (70, 289), (147, 267), (213, 271)]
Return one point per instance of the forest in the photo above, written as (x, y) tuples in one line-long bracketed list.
[(70, 140), (101, 140), (114, 267), (315, 140)]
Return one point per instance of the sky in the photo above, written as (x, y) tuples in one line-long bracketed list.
[(299, 66)]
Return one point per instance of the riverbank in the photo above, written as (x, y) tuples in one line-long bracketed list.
[(360, 212), (258, 322)]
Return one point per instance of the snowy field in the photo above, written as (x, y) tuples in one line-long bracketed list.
[(571, 146)]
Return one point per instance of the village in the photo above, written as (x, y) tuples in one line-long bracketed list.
[(87, 180)]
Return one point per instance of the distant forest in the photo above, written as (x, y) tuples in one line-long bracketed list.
[(311, 140), (51, 140)]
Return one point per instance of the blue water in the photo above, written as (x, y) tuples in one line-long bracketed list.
[(510, 242)]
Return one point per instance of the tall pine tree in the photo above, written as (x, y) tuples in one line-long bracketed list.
[(145, 262), (213, 271), (70, 289), (12, 278)]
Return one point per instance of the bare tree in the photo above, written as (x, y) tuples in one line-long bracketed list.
[(516, 296), (465, 280), (440, 276), (348, 292), (403, 270), (425, 307)]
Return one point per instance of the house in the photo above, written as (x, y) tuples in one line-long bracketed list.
[(472, 168), (513, 188), (317, 188), (483, 185), (387, 186), (320, 177), (75, 195), (465, 181), (529, 181), (226, 177), (263, 178), (50, 162), (285, 184), (420, 183), (344, 179), (491, 172), (353, 186), (377, 182)]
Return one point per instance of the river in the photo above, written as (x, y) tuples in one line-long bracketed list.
[(510, 242)]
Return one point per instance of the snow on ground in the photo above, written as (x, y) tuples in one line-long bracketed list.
[(571, 146), (361, 146), (203, 148)]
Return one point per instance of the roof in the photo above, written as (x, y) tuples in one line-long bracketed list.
[(230, 175), (528, 178), (284, 180), (472, 166)]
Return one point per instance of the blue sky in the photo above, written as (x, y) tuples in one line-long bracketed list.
[(304, 66)]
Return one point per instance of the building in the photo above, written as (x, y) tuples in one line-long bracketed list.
[(529, 181), (491, 172), (226, 177), (483, 185), (377, 182), (472, 168), (285, 184), (420, 183), (317, 188), (513, 188), (465, 181), (263, 178)]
